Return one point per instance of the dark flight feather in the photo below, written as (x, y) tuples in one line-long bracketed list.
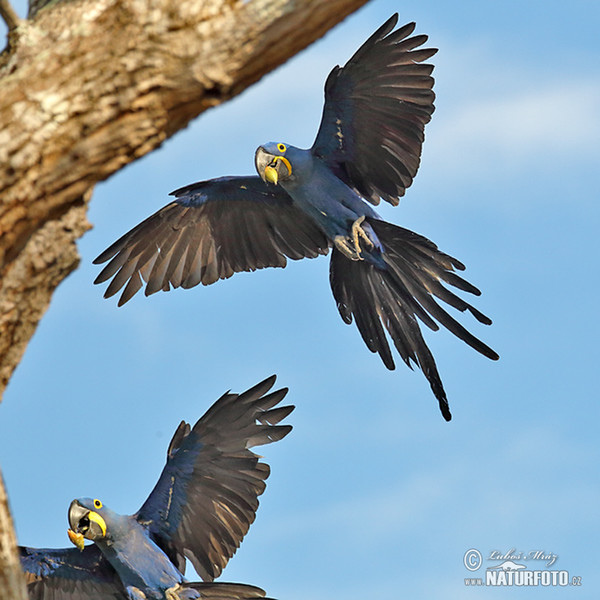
[(398, 297), (211, 231), (68, 574), (207, 495), (375, 112)]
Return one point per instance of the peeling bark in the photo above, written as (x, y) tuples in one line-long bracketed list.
[(88, 86), (11, 585), (29, 282)]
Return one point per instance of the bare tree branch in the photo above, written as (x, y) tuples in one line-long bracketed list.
[(12, 586), (9, 15), (27, 286)]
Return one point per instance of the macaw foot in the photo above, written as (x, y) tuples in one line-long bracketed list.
[(358, 232), (172, 593), (350, 245), (180, 592)]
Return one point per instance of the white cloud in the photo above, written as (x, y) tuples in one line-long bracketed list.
[(560, 120)]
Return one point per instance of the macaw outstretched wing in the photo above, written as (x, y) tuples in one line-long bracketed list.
[(375, 112), (68, 574), (212, 230), (207, 495)]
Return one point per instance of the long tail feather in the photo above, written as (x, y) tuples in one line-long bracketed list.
[(225, 591), (397, 291)]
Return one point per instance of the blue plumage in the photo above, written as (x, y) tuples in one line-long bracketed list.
[(200, 509), (386, 279)]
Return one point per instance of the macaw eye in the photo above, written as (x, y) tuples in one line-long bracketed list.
[(281, 148), (97, 504)]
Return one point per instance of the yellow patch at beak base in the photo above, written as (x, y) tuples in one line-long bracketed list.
[(96, 518), (286, 162)]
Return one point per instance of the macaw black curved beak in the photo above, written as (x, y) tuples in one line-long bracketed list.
[(84, 523), (270, 167)]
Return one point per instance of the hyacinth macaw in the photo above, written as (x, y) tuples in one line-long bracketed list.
[(304, 202), (200, 509)]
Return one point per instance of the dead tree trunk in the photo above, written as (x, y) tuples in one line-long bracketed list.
[(87, 87)]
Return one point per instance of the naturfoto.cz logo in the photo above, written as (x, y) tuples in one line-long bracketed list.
[(508, 569)]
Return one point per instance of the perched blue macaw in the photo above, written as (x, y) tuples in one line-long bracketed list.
[(305, 201), (200, 509)]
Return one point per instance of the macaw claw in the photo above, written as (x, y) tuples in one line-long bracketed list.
[(350, 245), (358, 232), (76, 538)]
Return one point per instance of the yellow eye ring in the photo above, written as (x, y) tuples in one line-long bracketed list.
[(281, 147), (97, 504)]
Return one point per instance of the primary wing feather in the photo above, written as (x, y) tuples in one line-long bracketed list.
[(68, 574), (375, 112), (207, 495), (212, 230), (226, 591)]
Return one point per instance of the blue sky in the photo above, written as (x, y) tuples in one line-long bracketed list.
[(372, 494)]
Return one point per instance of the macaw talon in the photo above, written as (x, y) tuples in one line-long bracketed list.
[(350, 245), (358, 232), (342, 243), (171, 593), (76, 539)]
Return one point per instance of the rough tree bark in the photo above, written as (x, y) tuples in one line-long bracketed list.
[(87, 87)]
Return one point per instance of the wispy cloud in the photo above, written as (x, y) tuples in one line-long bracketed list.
[(558, 121)]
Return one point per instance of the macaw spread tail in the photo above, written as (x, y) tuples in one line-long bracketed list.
[(220, 591), (401, 294)]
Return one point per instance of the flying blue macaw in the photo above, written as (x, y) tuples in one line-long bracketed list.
[(201, 508), (304, 202)]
